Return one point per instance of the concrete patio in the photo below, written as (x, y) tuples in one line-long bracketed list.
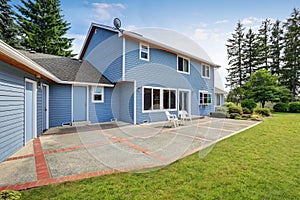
[(72, 153)]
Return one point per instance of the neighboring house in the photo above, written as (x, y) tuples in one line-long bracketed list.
[(120, 75)]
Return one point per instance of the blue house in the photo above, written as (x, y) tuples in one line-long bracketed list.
[(121, 75), (153, 70)]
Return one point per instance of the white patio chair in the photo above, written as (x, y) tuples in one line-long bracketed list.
[(183, 115), (172, 118)]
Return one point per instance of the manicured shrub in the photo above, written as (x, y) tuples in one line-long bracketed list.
[(235, 109), (218, 114), (229, 104), (281, 107), (246, 111), (221, 109), (235, 116), (10, 195), (294, 107), (248, 103), (255, 117), (263, 111)]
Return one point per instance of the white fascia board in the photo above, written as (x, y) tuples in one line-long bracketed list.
[(14, 54), (86, 84), (141, 38)]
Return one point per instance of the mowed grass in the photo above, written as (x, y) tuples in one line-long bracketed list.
[(260, 163)]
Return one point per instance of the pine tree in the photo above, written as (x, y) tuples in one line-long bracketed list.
[(44, 28), (236, 73), (262, 45), (249, 54), (291, 58), (8, 28), (276, 47)]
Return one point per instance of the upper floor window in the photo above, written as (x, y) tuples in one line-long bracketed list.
[(183, 65), (204, 98), (144, 52), (97, 94), (205, 71)]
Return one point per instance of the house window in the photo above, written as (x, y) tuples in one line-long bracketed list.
[(205, 71), (159, 99), (169, 99), (204, 98), (144, 52), (183, 65), (97, 94)]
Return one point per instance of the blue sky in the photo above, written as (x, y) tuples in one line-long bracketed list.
[(208, 22)]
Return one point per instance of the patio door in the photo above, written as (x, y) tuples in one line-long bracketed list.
[(184, 100), (79, 103)]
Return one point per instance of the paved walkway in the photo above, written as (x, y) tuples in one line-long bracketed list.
[(72, 153)]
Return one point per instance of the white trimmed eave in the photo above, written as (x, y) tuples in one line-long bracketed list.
[(16, 55), (86, 84), (147, 40)]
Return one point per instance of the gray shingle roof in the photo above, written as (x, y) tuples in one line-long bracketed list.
[(68, 69)]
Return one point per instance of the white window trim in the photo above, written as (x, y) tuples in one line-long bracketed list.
[(204, 75), (204, 92), (47, 105), (141, 50), (189, 65), (95, 101), (161, 99)]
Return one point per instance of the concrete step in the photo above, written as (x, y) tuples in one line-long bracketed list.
[(81, 123)]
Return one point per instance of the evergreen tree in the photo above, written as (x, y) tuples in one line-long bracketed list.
[(44, 28), (291, 58), (262, 45), (8, 28), (249, 54), (236, 73), (276, 47)]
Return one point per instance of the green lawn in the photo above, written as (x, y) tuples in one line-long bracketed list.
[(260, 163)]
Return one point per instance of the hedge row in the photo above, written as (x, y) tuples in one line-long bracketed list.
[(293, 107)]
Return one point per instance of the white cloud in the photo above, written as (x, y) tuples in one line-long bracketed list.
[(77, 43), (130, 27), (105, 11), (224, 21), (251, 20), (213, 42)]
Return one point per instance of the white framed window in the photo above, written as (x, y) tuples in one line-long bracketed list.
[(159, 99), (205, 71), (144, 52), (204, 98), (97, 94), (183, 65)]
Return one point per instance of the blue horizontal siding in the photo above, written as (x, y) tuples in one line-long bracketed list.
[(60, 104), (105, 53), (101, 112), (11, 110), (161, 71)]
